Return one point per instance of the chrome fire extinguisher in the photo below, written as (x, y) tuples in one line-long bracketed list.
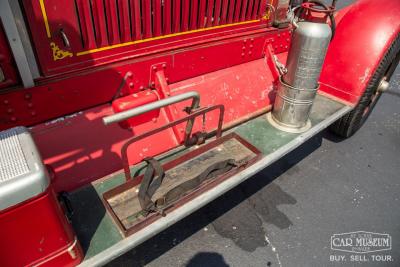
[(298, 86)]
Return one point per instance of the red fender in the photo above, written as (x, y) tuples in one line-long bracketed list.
[(364, 33)]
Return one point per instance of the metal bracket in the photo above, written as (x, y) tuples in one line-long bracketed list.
[(16, 44), (154, 69)]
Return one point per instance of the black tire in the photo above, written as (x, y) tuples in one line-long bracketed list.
[(352, 121)]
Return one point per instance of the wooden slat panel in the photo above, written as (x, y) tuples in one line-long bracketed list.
[(157, 17), (167, 16), (146, 15), (112, 21), (124, 24), (185, 14), (136, 20), (85, 18), (210, 9), (176, 25), (99, 23), (193, 15)]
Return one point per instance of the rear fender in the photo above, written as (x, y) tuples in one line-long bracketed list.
[(363, 35)]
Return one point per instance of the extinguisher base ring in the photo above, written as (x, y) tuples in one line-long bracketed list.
[(287, 128)]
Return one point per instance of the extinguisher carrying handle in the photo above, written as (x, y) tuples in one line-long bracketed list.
[(310, 5)]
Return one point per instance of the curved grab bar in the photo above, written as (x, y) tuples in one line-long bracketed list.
[(121, 116)]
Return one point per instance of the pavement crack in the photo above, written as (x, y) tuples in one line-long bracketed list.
[(274, 250)]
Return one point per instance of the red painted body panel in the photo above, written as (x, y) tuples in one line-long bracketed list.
[(75, 92), (7, 64), (225, 65), (38, 231), (136, 100), (86, 30), (82, 149), (363, 36)]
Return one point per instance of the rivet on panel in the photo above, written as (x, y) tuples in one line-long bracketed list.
[(28, 96), (131, 85)]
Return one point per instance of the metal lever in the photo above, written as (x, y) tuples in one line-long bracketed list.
[(65, 39)]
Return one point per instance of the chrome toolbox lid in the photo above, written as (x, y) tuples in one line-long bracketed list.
[(22, 172)]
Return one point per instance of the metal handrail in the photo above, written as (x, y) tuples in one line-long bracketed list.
[(121, 116)]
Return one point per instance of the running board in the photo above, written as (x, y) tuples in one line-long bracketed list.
[(273, 143)]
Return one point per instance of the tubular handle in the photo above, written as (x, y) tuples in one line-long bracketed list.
[(118, 117)]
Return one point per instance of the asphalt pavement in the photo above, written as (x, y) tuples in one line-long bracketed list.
[(287, 214)]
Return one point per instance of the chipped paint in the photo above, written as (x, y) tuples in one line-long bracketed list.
[(364, 78)]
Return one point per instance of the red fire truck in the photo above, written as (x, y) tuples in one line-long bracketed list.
[(118, 118)]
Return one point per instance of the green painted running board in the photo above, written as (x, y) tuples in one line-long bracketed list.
[(96, 230)]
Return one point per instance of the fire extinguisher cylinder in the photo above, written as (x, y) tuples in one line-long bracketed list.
[(297, 88), (306, 56)]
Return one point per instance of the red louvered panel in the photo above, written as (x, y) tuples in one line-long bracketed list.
[(85, 33), (193, 15), (217, 12), (210, 9), (263, 7), (256, 8), (177, 16), (167, 16), (136, 20), (157, 17), (244, 9), (202, 13), (185, 14), (112, 21), (231, 11), (85, 19), (224, 12), (249, 12), (99, 23), (237, 11), (124, 23), (146, 15)]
